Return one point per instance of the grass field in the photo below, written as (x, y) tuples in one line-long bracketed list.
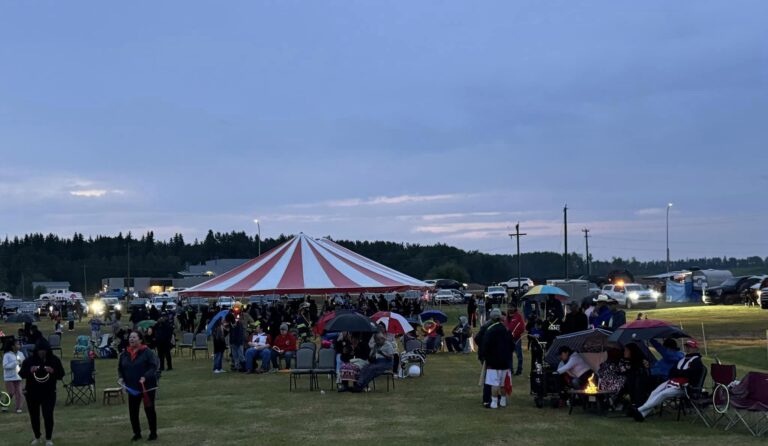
[(196, 407)]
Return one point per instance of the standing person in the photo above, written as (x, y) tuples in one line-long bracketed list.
[(472, 311), (71, 318), (219, 347), (163, 340), (12, 360), (497, 352), (618, 316), (96, 324), (481, 357), (575, 320), (41, 371), (236, 341), (516, 326), (481, 310), (137, 369)]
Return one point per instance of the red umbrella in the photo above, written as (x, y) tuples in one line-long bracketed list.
[(395, 323), (320, 325), (646, 323)]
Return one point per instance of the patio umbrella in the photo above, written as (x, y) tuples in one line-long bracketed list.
[(351, 322), (645, 330), (593, 341), (320, 324), (395, 323), (435, 315), (143, 325), (544, 290), (216, 318)]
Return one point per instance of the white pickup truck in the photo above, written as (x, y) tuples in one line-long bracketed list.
[(60, 294), (631, 295)]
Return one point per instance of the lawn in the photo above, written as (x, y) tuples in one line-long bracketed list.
[(196, 407)]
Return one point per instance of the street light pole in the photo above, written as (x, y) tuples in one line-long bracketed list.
[(258, 227), (669, 206)]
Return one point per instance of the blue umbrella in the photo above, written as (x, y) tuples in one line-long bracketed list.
[(435, 315), (220, 315)]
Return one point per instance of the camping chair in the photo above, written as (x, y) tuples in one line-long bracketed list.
[(412, 345), (187, 341), (82, 383), (201, 343), (697, 398), (83, 346), (748, 403), (55, 341), (305, 364), (722, 376), (326, 365)]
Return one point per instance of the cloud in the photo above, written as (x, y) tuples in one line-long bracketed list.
[(88, 192), (383, 200), (450, 228), (649, 211)]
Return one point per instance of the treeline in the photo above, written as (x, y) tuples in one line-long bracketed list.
[(84, 262)]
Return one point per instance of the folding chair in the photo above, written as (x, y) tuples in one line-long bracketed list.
[(697, 398), (55, 341), (305, 364), (389, 375), (326, 365), (310, 345), (187, 341), (748, 403), (412, 345), (82, 384), (82, 346), (200, 343), (722, 376)]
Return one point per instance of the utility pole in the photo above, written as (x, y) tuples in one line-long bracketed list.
[(565, 234), (128, 279), (669, 206), (517, 236), (85, 282), (586, 241)]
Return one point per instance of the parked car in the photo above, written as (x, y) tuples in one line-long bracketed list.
[(524, 282), (225, 302), (631, 295), (443, 297), (449, 284), (60, 294), (460, 297), (158, 302), (733, 291), (764, 299), (106, 305), (10, 306), (496, 294), (4, 295), (137, 302)]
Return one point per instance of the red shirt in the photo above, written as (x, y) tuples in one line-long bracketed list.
[(286, 342), (515, 324)]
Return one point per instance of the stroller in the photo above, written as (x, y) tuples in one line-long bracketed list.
[(544, 381)]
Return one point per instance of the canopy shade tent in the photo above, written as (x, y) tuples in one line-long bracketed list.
[(304, 265)]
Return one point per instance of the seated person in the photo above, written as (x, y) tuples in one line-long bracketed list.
[(634, 368), (670, 356), (381, 361), (687, 370), (260, 346), (285, 346), (461, 332), (434, 336), (609, 375), (574, 369)]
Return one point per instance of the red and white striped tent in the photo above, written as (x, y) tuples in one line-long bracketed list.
[(304, 265)]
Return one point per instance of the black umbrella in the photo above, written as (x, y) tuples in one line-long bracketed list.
[(645, 330), (351, 322), (593, 341)]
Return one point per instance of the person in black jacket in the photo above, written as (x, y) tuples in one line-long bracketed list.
[(41, 371), (497, 355), (163, 340), (137, 369), (481, 357), (575, 320)]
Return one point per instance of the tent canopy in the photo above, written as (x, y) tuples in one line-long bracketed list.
[(304, 265)]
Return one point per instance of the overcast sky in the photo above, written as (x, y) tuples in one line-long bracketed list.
[(427, 121)]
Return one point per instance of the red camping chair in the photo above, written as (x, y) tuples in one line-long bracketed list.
[(748, 403)]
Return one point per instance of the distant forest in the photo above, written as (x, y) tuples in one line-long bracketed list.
[(38, 257)]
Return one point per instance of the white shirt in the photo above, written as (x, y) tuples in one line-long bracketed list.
[(260, 340), (11, 366), (576, 366)]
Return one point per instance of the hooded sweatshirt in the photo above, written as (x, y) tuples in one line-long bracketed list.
[(36, 388)]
